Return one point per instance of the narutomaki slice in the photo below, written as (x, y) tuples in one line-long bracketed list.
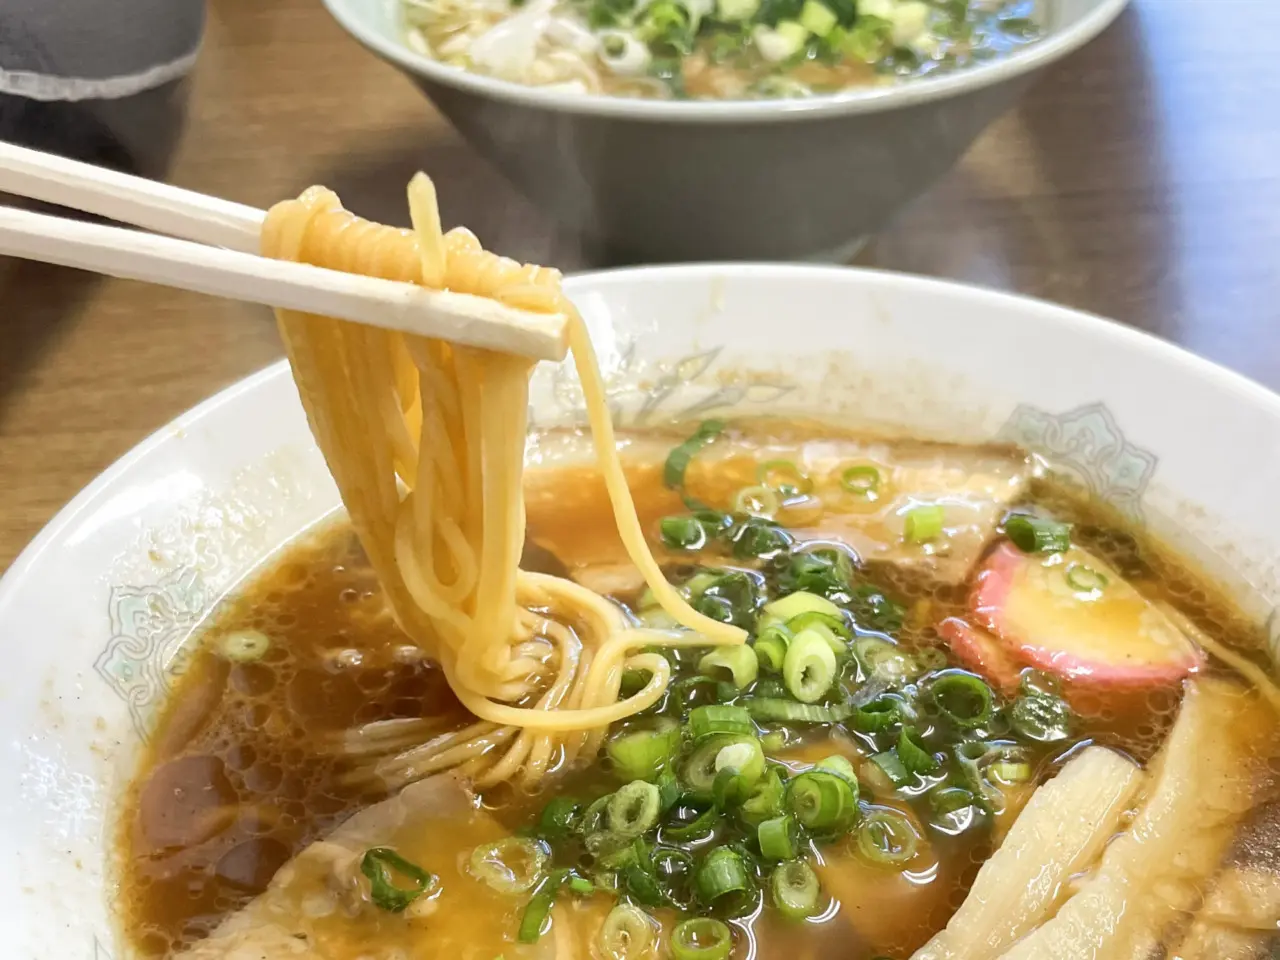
[(1073, 615)]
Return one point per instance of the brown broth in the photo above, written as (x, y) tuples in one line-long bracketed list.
[(243, 772)]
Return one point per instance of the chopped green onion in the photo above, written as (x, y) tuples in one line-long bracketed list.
[(382, 865), (682, 533), (838, 765), (765, 800), (1041, 717), (955, 807), (821, 800), (634, 808), (892, 767), (701, 939), (770, 709), (509, 865), (1009, 772), (721, 874), (714, 754), (922, 523), (643, 750), (809, 667), (678, 459), (716, 719), (784, 477), (1037, 534), (771, 647), (802, 601), (777, 838), (698, 828), (760, 538), (729, 597), (539, 907), (875, 609), (633, 680), (915, 758), (817, 18), (862, 481), (746, 757), (1085, 579), (880, 714), (775, 741), (885, 661), (593, 816), (626, 934), (831, 629), (559, 818), (668, 790), (822, 572), (887, 837), (738, 662), (758, 501), (581, 886), (244, 646), (795, 889), (963, 699)]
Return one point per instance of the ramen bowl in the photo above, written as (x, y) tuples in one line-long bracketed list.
[(666, 181), (99, 614)]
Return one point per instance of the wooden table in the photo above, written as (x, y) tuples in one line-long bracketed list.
[(1140, 180)]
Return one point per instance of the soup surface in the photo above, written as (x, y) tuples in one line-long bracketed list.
[(718, 49), (832, 791)]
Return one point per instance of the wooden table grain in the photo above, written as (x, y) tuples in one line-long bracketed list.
[(1138, 180)]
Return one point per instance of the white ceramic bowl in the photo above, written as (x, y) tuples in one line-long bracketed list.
[(672, 181), (97, 612)]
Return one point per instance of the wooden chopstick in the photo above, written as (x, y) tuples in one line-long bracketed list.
[(128, 199), (224, 262)]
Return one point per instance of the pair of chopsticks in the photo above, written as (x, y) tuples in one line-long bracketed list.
[(210, 246)]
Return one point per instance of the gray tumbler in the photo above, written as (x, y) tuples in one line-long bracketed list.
[(98, 80)]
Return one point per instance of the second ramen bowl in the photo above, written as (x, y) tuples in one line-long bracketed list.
[(662, 180)]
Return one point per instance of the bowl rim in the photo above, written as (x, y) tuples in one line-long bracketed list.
[(1082, 322), (847, 103)]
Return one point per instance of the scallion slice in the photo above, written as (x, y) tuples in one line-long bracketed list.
[(1006, 772), (767, 709), (644, 749), (721, 874), (1032, 534), (626, 934), (699, 828), (922, 523), (891, 766), (885, 661), (713, 755), (1041, 717), (784, 477), (383, 866), (765, 800), (737, 664), (539, 907), (862, 480), (701, 938), (682, 533), (1085, 579), (913, 754), (887, 837), (880, 714), (963, 699), (777, 838), (809, 667), (677, 462), (795, 889), (634, 809), (510, 865), (559, 818), (757, 501), (771, 647), (716, 719), (822, 800), (838, 765)]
